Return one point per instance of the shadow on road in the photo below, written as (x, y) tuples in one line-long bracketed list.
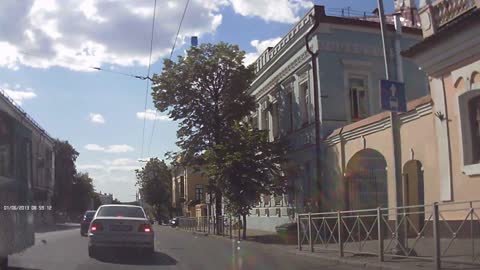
[(56, 227), (270, 239), (158, 258), (21, 268)]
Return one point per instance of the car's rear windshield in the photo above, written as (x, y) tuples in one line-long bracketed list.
[(120, 211), (90, 214)]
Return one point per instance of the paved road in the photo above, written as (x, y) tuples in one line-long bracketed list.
[(174, 249)]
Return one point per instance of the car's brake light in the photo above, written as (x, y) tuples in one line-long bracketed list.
[(145, 228), (96, 226)]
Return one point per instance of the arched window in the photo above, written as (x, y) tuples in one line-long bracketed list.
[(469, 108), (474, 118)]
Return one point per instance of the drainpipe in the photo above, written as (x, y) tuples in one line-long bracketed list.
[(316, 100)]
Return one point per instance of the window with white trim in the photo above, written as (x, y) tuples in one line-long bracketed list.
[(275, 120), (290, 100), (358, 95), (265, 116), (474, 118), (199, 192), (304, 102), (469, 106)]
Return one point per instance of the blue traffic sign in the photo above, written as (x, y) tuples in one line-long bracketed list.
[(393, 96)]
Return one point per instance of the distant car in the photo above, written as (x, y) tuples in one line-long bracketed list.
[(174, 222), (120, 226), (85, 222)]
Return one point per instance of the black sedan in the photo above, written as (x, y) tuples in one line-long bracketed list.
[(85, 223)]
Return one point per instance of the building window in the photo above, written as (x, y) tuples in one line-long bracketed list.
[(308, 180), (474, 117), (6, 146), (469, 107), (275, 120), (278, 200), (358, 98), (199, 192), (304, 102), (182, 187), (255, 121), (290, 100), (266, 200), (265, 119)]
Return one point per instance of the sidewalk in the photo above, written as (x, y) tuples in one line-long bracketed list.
[(368, 262)]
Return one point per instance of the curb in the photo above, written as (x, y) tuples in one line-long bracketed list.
[(352, 262), (360, 263)]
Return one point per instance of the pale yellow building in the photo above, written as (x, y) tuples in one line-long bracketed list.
[(189, 190)]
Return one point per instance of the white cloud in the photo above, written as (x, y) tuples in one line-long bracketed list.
[(90, 167), (17, 93), (283, 11), (115, 176), (115, 148), (94, 147), (151, 115), (80, 34), (119, 148), (97, 118), (260, 47)]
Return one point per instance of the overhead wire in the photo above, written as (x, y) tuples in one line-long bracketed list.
[(171, 54), (148, 76)]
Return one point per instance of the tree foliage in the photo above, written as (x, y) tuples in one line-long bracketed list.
[(248, 166), (65, 170), (206, 92), (96, 201), (82, 193), (154, 181)]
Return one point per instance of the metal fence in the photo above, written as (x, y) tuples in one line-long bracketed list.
[(441, 232), (223, 225)]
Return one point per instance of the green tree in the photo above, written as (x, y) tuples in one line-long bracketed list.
[(154, 181), (65, 170), (96, 201), (115, 201), (206, 92), (82, 193), (248, 166)]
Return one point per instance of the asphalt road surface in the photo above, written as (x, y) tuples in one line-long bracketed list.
[(174, 249)]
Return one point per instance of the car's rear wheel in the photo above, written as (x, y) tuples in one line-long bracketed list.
[(92, 252), (3, 263), (147, 251)]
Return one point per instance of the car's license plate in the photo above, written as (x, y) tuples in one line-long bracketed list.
[(120, 228)]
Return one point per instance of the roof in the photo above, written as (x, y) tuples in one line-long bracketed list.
[(23, 114), (367, 23), (444, 33), (264, 60), (411, 106)]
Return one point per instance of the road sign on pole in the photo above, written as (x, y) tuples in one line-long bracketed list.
[(392, 96)]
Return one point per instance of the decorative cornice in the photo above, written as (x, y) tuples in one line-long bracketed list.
[(380, 125), (284, 73)]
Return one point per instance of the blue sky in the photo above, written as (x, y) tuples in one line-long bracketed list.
[(100, 113)]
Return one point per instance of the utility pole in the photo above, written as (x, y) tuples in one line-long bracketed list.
[(316, 103), (393, 123)]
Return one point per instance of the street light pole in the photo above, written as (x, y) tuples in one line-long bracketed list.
[(393, 123)]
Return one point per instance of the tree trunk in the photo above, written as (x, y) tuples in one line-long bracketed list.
[(218, 211), (244, 237)]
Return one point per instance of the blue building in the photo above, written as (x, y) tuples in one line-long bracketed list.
[(350, 63)]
